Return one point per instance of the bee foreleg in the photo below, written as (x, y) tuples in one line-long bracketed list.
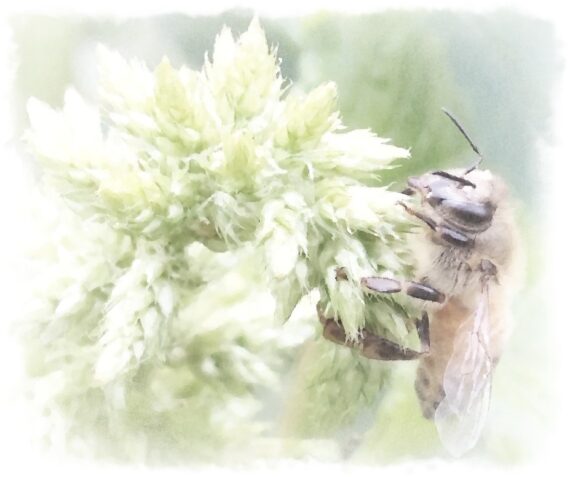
[(431, 223), (444, 232)]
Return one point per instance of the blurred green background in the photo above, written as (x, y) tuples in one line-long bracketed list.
[(394, 71)]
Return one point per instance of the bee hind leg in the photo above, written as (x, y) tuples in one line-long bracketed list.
[(376, 347)]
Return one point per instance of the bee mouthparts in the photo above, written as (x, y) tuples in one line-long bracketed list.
[(414, 183)]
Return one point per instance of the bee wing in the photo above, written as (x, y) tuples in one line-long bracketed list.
[(461, 415)]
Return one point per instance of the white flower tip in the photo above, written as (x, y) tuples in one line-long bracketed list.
[(111, 363), (72, 302), (165, 300), (39, 112), (224, 46), (255, 32)]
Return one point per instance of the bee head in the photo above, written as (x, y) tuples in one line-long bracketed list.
[(463, 201)]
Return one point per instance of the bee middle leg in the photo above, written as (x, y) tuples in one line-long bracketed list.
[(422, 291), (413, 289), (373, 346)]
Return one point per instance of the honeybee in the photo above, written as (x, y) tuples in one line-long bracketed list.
[(466, 254)]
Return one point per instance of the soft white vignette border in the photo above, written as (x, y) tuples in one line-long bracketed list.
[(17, 456)]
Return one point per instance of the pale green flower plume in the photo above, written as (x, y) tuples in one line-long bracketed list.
[(197, 210)]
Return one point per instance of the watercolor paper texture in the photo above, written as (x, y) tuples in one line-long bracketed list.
[(180, 190)]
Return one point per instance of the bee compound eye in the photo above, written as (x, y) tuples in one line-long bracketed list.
[(468, 212), (433, 200)]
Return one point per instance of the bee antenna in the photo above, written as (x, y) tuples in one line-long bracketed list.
[(466, 136)]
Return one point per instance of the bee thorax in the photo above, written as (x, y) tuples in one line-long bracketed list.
[(450, 270)]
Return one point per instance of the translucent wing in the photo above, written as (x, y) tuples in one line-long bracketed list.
[(461, 415)]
